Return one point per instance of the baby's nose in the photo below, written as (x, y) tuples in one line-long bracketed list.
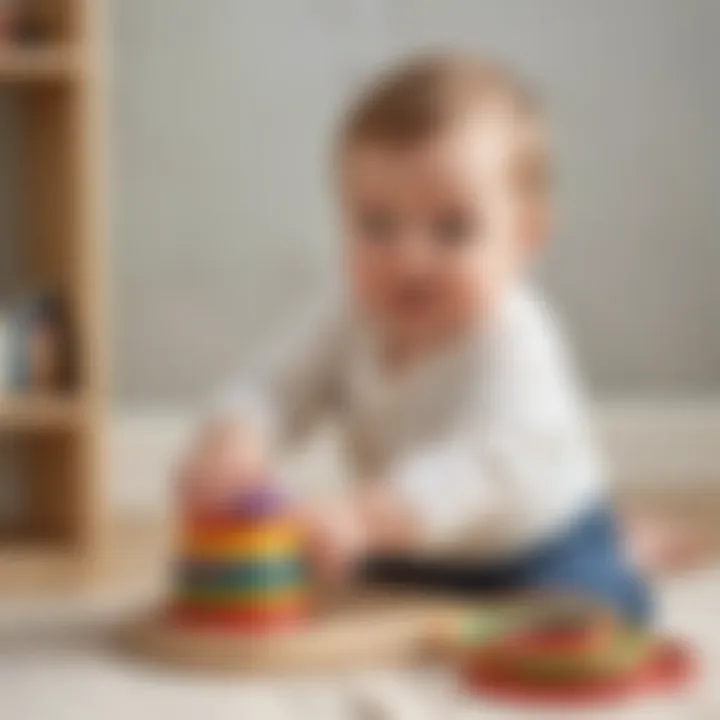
[(415, 255)]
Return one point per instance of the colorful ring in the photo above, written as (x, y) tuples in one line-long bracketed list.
[(245, 574), (276, 539), (256, 620), (243, 600)]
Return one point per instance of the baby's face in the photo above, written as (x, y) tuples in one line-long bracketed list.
[(437, 231)]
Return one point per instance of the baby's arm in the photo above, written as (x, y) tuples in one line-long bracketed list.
[(264, 411)]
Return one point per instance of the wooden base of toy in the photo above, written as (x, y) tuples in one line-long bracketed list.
[(367, 629)]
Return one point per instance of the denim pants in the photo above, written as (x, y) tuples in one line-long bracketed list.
[(585, 559)]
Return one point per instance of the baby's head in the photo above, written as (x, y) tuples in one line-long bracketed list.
[(444, 190)]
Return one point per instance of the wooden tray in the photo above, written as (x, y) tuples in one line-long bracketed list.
[(361, 630)]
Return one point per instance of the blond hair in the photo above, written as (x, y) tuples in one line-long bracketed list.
[(426, 96)]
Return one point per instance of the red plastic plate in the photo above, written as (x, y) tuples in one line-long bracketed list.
[(671, 667)]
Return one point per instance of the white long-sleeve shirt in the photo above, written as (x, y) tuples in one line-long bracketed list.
[(486, 440)]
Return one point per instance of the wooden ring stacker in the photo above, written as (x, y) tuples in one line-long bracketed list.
[(670, 667)]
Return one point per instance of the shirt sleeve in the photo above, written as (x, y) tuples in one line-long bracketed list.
[(519, 460), (291, 384)]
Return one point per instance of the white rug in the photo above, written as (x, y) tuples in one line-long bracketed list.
[(61, 668)]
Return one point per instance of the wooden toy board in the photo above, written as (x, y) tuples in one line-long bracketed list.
[(362, 630)]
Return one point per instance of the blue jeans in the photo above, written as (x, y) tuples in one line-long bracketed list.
[(585, 559)]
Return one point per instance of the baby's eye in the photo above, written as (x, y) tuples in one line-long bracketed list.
[(454, 228), (378, 225)]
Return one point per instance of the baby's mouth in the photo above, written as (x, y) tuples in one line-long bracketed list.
[(413, 299)]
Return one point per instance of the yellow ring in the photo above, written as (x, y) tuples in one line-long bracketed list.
[(242, 545)]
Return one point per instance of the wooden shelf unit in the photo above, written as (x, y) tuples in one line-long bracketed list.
[(58, 84)]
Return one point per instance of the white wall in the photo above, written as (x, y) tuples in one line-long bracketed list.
[(223, 111)]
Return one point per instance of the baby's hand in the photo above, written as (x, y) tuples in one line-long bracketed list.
[(372, 520), (336, 540), (224, 459)]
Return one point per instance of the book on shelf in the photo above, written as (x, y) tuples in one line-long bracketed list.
[(36, 346)]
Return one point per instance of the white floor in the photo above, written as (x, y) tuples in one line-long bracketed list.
[(63, 668)]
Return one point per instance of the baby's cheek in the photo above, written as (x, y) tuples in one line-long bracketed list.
[(474, 283), (366, 280), (467, 295)]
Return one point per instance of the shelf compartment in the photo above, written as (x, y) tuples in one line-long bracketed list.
[(45, 246), (41, 483)]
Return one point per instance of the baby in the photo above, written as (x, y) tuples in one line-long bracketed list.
[(463, 425)]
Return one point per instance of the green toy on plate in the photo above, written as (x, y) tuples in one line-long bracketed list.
[(563, 651)]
